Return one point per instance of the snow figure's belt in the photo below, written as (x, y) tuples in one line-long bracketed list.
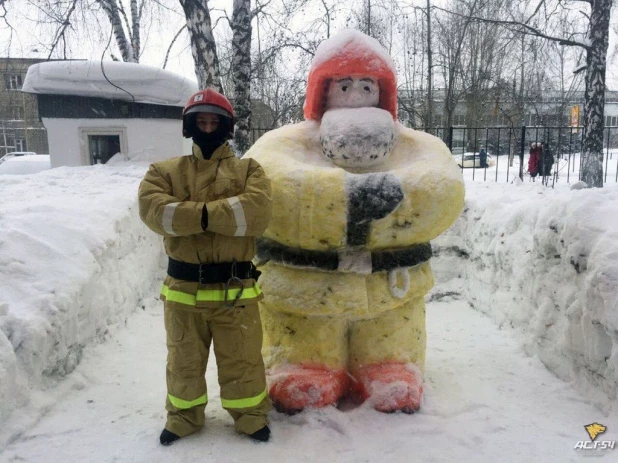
[(364, 262)]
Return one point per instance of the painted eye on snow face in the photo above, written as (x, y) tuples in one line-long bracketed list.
[(367, 89), (344, 88)]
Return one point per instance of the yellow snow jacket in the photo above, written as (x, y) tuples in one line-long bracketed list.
[(310, 219), (237, 196)]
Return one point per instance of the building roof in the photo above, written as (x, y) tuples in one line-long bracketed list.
[(109, 79)]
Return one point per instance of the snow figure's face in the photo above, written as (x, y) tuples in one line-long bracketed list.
[(353, 132), (352, 92)]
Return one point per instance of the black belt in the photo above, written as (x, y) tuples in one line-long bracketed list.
[(330, 260), (211, 273)]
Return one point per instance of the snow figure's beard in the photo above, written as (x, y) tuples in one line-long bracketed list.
[(357, 137)]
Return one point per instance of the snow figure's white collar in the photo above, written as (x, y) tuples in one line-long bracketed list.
[(357, 137)]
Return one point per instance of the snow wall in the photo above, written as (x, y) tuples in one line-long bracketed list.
[(545, 265), (70, 286)]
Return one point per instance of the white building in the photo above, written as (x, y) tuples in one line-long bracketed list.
[(93, 110)]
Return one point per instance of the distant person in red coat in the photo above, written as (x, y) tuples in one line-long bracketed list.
[(534, 162)]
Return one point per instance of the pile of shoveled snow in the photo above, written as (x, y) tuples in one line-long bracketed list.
[(74, 259), (544, 262)]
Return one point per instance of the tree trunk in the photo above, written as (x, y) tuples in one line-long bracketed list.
[(241, 72), (135, 39), (126, 49), (594, 106), (429, 69), (203, 46)]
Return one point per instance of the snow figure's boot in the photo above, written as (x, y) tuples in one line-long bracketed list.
[(389, 387), (294, 388)]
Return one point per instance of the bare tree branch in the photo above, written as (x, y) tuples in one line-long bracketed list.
[(167, 54), (520, 27), (63, 27)]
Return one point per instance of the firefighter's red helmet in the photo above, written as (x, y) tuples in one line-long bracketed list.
[(207, 101)]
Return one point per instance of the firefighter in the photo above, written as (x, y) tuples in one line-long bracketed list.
[(209, 207)]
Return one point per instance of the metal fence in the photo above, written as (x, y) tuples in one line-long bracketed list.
[(508, 151)]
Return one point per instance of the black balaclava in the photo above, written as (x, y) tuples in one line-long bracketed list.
[(208, 142)]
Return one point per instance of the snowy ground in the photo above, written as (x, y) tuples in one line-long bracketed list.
[(527, 284), (486, 401)]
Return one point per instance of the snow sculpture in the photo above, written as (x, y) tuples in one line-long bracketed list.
[(357, 197)]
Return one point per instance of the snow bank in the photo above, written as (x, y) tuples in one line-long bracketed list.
[(27, 164), (145, 84), (74, 259), (544, 262)]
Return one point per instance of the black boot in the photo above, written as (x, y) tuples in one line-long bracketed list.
[(261, 435), (167, 437)]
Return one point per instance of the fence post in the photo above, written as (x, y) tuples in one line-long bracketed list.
[(522, 149)]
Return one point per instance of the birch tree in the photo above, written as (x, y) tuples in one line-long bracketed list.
[(128, 41), (203, 46), (241, 72)]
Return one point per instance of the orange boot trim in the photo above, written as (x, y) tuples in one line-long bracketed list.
[(294, 387), (389, 387)]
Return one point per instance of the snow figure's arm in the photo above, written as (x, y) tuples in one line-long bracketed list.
[(370, 197), (162, 212), (248, 213), (309, 207), (434, 193)]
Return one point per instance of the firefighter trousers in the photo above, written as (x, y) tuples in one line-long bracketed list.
[(236, 334)]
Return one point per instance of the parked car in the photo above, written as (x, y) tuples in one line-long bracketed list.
[(473, 160), (24, 164), (14, 154)]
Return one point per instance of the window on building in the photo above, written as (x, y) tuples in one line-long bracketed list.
[(611, 121), (13, 82), (20, 144), (103, 147), (459, 119), (531, 120), (17, 112)]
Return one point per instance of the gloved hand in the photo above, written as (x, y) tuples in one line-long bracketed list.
[(370, 197), (204, 218)]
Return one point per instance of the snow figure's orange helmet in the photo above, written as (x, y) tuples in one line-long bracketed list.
[(207, 101), (349, 53)]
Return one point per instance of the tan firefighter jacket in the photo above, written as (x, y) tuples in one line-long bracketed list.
[(237, 196)]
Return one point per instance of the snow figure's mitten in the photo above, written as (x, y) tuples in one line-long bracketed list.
[(370, 197)]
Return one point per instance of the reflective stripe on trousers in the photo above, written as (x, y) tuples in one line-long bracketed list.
[(210, 295), (182, 404)]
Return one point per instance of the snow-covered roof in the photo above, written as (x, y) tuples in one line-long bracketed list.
[(147, 84)]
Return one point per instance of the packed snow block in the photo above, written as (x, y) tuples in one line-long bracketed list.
[(547, 268), (76, 260), (345, 257), (357, 198)]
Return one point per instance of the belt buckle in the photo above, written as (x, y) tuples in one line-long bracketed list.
[(354, 262), (200, 274)]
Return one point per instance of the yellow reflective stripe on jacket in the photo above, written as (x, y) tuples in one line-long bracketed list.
[(184, 404), (211, 295), (243, 403)]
